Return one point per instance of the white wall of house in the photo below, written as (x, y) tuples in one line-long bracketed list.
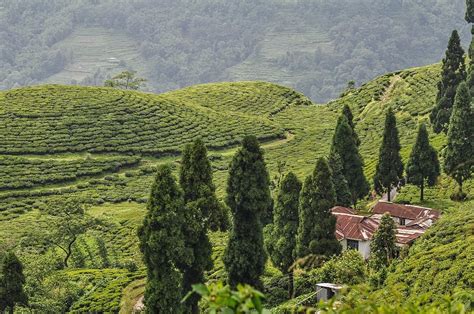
[(364, 247)]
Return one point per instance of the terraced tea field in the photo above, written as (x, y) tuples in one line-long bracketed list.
[(102, 145), (96, 49)]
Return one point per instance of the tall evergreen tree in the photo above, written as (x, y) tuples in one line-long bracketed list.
[(162, 244), (201, 205), (469, 11), (344, 144), (470, 75), (343, 194), (453, 73), (389, 169), (423, 165), (317, 225), (281, 243), (383, 248), (350, 119), (248, 196), (12, 281), (459, 152)]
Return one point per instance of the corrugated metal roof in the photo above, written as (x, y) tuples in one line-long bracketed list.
[(404, 211)]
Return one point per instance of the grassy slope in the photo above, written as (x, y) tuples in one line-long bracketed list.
[(220, 113), (441, 262)]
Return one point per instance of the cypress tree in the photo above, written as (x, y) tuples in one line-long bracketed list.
[(423, 165), (162, 244), (470, 75), (350, 119), (11, 283), (317, 225), (201, 204), (453, 73), (389, 169), (459, 152), (344, 144), (248, 196), (343, 194), (281, 243), (383, 248), (469, 11)]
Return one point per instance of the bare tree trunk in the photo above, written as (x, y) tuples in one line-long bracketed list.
[(291, 290), (422, 190), (69, 252)]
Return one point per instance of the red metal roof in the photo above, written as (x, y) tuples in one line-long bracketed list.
[(355, 227), (404, 211), (362, 228)]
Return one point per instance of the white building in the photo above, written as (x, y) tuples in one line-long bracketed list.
[(356, 231)]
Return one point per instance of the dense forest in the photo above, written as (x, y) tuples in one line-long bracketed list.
[(314, 46)]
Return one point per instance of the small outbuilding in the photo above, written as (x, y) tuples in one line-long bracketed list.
[(325, 291)]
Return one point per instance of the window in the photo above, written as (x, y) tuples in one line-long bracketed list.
[(402, 221), (352, 244)]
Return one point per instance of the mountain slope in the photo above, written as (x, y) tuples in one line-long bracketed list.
[(69, 136)]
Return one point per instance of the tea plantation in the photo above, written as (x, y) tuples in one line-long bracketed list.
[(102, 145)]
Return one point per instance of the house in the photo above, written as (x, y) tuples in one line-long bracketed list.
[(356, 231), (404, 215)]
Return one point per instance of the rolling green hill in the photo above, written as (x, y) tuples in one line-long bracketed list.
[(102, 145)]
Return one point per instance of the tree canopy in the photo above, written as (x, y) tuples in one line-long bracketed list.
[(453, 73), (345, 145), (281, 242), (126, 80), (201, 204), (248, 196), (423, 165), (458, 162), (317, 225), (162, 243), (11, 282), (382, 248), (389, 169)]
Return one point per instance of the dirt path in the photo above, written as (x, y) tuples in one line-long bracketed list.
[(139, 306)]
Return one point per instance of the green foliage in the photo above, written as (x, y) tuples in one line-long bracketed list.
[(311, 53), (389, 167), (68, 220), (344, 143), (343, 194), (202, 208), (281, 238), (126, 80), (346, 110), (163, 244), (12, 281), (382, 248), (439, 264), (104, 120), (220, 298), (469, 11), (316, 223), (458, 162), (423, 165), (197, 183), (453, 73), (248, 196)]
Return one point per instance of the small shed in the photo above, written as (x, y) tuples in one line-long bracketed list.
[(326, 291)]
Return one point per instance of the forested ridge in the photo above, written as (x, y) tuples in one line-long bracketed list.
[(314, 46)]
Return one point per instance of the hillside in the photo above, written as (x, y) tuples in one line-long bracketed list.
[(315, 46), (439, 262), (102, 145)]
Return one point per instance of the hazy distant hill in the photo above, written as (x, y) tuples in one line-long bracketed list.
[(316, 46)]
